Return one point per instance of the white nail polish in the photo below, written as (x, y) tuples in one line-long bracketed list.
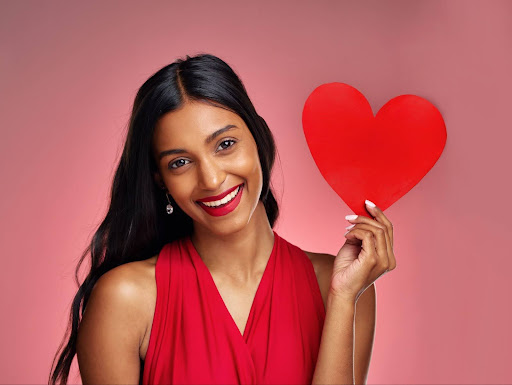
[(369, 203), (350, 217), (349, 227)]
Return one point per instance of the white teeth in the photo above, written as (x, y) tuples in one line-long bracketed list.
[(224, 200)]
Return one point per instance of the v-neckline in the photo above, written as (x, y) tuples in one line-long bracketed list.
[(230, 318)]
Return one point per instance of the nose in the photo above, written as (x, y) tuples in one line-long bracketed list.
[(211, 175)]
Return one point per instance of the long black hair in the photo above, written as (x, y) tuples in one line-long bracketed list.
[(136, 226)]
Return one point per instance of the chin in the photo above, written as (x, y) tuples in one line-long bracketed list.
[(227, 227)]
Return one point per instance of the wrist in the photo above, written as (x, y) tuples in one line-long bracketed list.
[(342, 299)]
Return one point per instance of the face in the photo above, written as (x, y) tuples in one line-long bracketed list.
[(194, 164)]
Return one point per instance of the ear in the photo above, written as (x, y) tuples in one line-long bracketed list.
[(158, 180)]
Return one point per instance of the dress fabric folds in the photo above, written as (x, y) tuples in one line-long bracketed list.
[(194, 339)]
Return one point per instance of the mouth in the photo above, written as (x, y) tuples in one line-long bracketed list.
[(225, 205)]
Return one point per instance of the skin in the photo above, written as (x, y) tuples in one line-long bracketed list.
[(115, 330), (345, 348), (236, 246)]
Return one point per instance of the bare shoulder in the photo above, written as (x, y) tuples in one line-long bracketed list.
[(323, 264), (114, 324), (130, 283)]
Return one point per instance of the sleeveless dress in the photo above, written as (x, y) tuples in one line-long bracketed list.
[(194, 339)]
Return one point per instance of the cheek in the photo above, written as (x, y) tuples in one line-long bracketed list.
[(248, 163), (250, 169), (179, 188)]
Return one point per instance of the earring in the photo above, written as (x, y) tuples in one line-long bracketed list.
[(169, 207)]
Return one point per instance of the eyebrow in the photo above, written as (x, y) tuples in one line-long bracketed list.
[(208, 140)]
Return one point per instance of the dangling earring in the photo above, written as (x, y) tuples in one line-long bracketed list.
[(169, 207)]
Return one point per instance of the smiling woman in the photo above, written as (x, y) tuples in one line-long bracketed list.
[(193, 135), (195, 171), (189, 283)]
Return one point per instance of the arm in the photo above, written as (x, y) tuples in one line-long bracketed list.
[(336, 354), (109, 333), (365, 331), (364, 324), (366, 255)]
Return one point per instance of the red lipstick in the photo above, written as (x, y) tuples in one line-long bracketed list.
[(225, 208), (218, 197)]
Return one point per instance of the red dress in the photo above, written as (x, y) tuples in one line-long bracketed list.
[(194, 339)]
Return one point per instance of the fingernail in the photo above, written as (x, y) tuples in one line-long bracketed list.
[(346, 233), (349, 227), (369, 203), (350, 217)]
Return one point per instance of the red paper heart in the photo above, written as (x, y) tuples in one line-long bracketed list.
[(363, 157)]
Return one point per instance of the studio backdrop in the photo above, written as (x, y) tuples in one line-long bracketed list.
[(68, 76)]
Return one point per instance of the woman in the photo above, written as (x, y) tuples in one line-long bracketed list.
[(191, 218)]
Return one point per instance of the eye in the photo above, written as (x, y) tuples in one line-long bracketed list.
[(176, 162), (224, 145), (227, 141)]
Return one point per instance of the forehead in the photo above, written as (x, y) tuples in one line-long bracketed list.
[(194, 120)]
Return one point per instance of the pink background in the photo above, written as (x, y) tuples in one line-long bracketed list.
[(68, 76)]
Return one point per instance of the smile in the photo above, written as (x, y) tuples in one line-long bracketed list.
[(225, 205)]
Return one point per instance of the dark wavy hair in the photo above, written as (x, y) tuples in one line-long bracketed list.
[(136, 226)]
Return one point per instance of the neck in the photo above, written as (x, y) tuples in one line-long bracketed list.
[(239, 257)]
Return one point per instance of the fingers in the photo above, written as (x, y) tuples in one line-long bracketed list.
[(381, 222), (378, 214), (368, 243), (370, 224), (380, 235), (381, 218), (376, 244)]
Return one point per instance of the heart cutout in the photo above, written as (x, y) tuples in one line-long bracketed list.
[(362, 156)]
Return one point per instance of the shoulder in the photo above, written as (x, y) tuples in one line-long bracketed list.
[(323, 264), (113, 325), (126, 283), (119, 303)]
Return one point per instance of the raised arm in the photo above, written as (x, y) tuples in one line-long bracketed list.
[(366, 255), (335, 363)]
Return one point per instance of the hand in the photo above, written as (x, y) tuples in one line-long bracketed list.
[(366, 255)]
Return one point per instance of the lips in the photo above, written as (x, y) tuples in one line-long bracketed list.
[(226, 208), (220, 196)]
